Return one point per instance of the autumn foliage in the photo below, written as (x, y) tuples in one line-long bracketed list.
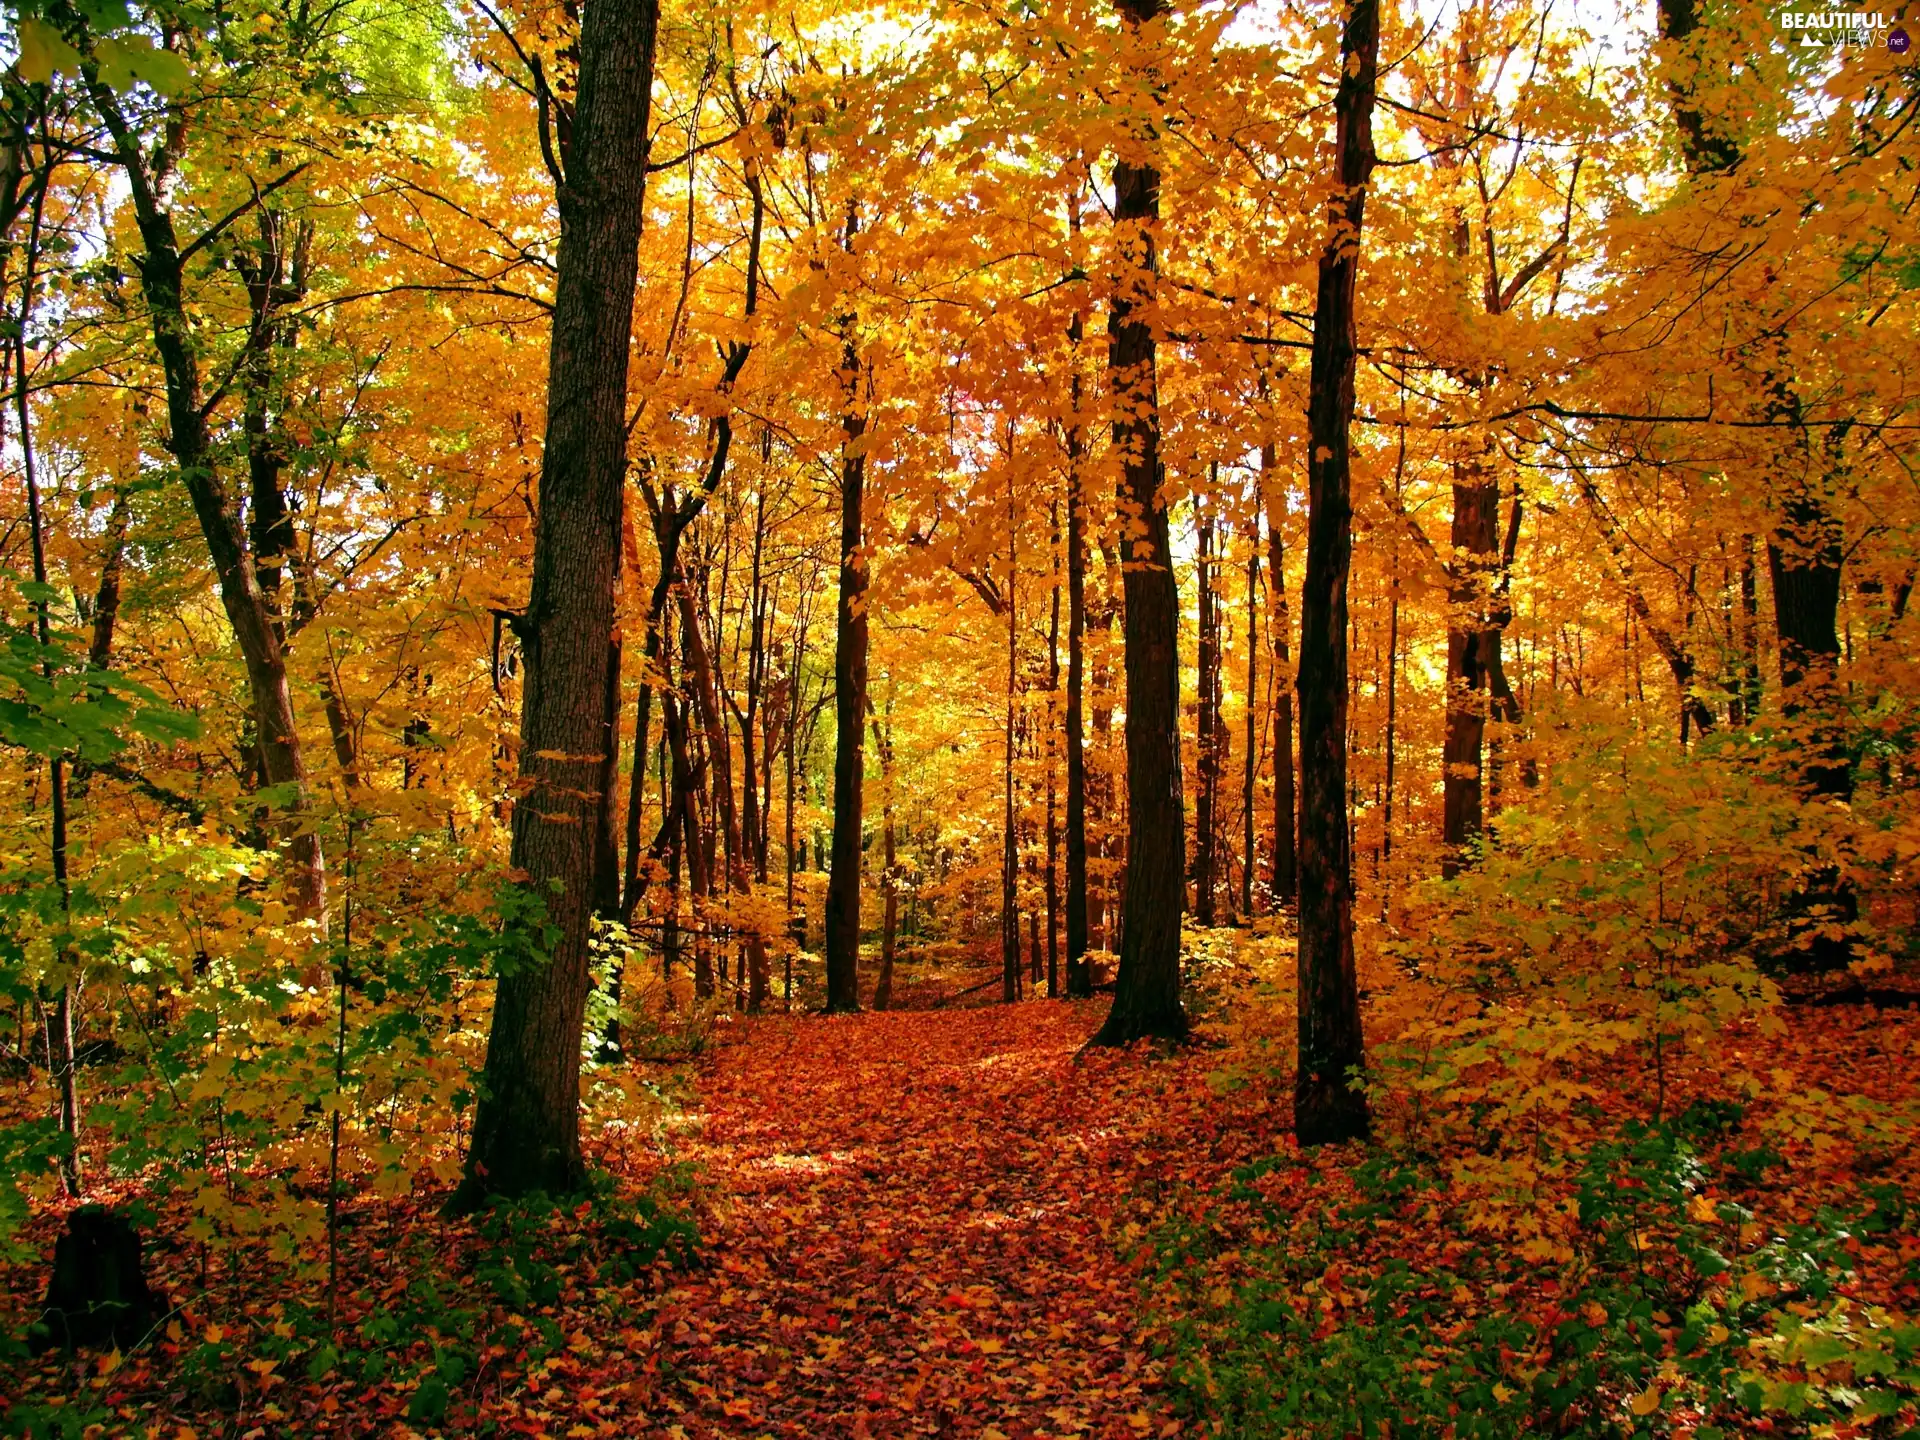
[(1310, 600)]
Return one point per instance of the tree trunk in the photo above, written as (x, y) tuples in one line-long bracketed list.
[(59, 1020), (163, 282), (1053, 807), (1079, 971), (1207, 727), (1010, 840), (1146, 998), (1251, 770), (1286, 870), (1476, 506), (890, 891), (849, 689), (527, 1129), (1326, 1105), (106, 596), (699, 673)]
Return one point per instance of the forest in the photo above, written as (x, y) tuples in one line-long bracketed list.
[(1015, 719)]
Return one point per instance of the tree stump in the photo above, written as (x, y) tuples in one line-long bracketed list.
[(98, 1294)]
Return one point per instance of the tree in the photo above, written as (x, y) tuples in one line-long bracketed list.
[(1146, 999), (1326, 1106), (526, 1133), (849, 678)]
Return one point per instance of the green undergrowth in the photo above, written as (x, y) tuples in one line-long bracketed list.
[(1306, 1302), (459, 1318)]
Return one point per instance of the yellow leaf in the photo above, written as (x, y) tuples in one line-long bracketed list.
[(1647, 1401)]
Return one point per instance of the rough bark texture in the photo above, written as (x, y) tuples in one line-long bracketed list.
[(527, 1129), (1146, 998), (1326, 1106)]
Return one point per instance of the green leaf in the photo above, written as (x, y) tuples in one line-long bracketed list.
[(43, 52)]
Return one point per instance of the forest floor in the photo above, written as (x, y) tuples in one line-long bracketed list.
[(958, 1222), (913, 1223), (921, 1221)]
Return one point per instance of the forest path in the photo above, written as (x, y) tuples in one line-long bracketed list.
[(918, 1224)]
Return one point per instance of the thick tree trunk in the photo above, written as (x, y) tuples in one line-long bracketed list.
[(1146, 999), (849, 691), (527, 1129), (1286, 864), (1327, 1106)]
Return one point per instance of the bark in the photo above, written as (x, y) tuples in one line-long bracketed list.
[(890, 881), (1251, 771), (1327, 1107), (1146, 1000), (1476, 509), (527, 1129), (1079, 971), (1053, 808), (1103, 903), (849, 687), (1009, 838), (1206, 847), (106, 595), (1286, 871)]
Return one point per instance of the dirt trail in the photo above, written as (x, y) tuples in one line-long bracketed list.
[(918, 1226)]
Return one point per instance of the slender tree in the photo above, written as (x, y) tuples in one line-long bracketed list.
[(1250, 771), (1326, 1105), (1206, 837), (1286, 865), (849, 681)]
